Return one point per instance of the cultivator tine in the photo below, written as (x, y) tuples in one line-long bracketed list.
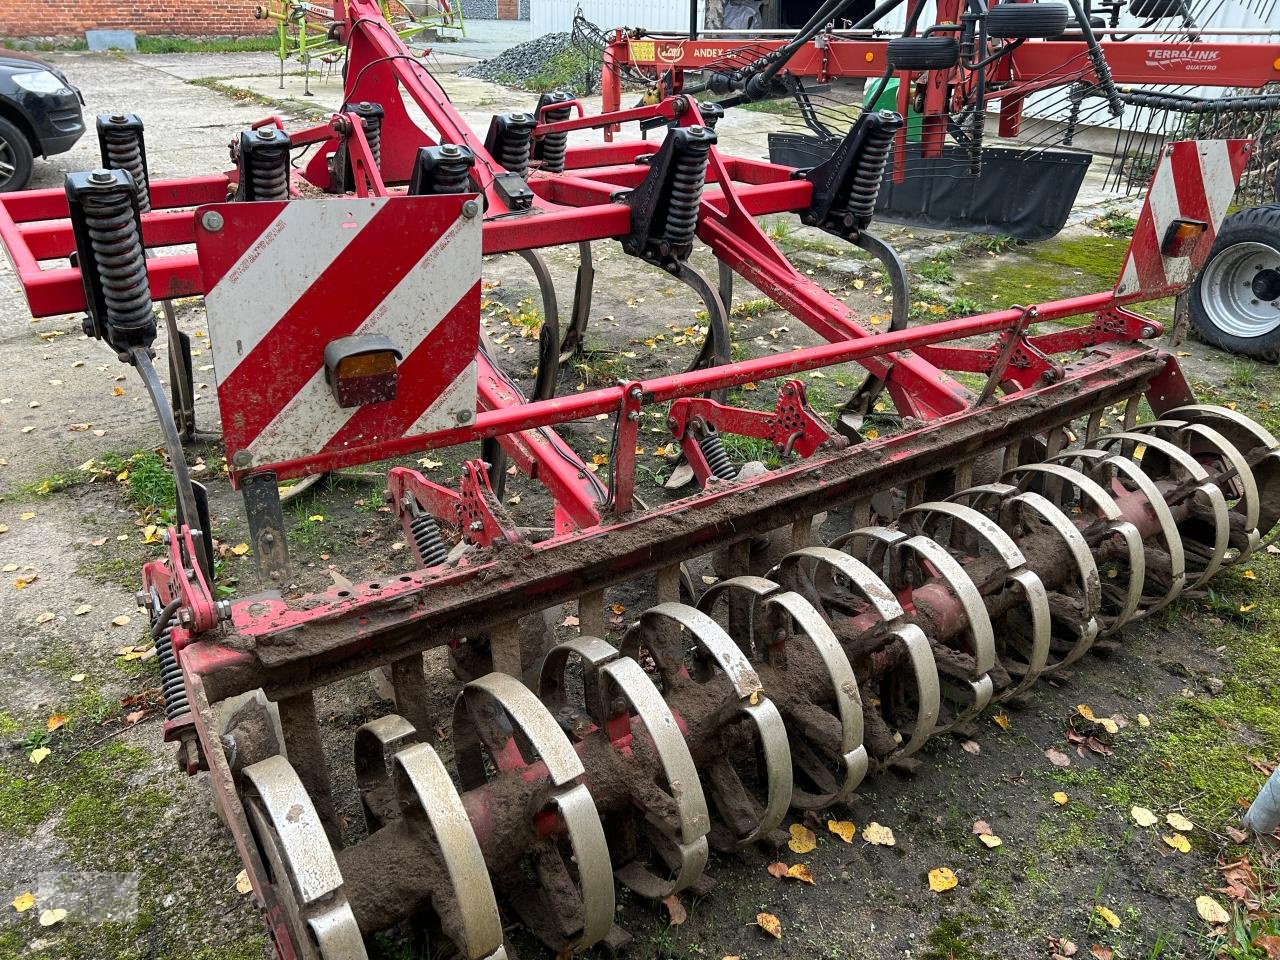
[(583, 291), (549, 337)]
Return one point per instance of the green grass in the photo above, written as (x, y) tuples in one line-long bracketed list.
[(775, 107), (936, 270), (148, 44), (570, 69)]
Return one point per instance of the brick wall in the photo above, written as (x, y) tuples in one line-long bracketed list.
[(71, 18)]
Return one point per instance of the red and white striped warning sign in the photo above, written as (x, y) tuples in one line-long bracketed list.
[(1194, 180), (286, 279)]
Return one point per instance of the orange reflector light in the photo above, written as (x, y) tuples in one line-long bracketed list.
[(1182, 236), (362, 369), (1276, 63), (869, 56)]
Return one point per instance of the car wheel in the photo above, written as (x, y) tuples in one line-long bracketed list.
[(15, 158), (1235, 301)]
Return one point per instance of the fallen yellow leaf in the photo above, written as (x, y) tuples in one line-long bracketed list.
[(1086, 712), (1107, 916), (800, 872), (1109, 725), (878, 835), (1179, 822), (941, 879), (1060, 799), (1211, 911), (49, 917), (770, 925), (38, 754), (599, 459), (77, 678), (29, 515), (120, 621), (1001, 720), (55, 721), (243, 883), (844, 829), (316, 518), (23, 902), (44, 617), (1142, 816), (240, 549), (1249, 575), (1178, 842), (802, 839), (1246, 607), (1143, 721), (990, 840), (81, 610)]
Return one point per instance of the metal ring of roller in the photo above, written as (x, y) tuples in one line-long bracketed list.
[(771, 731), (573, 801), (376, 744), (1246, 435), (295, 845), (1131, 471), (1108, 510), (830, 560), (924, 667), (593, 652), (1016, 570), (758, 588), (1009, 499), (1214, 496), (961, 585), (1248, 505), (844, 684), (844, 691), (877, 542), (427, 795), (682, 778)]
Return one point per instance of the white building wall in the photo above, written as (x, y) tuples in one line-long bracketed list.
[(556, 16)]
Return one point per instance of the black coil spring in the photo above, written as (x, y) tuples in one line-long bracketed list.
[(717, 456), (426, 539), (373, 136), (121, 261), (124, 152), (452, 175), (516, 141), (269, 169), (870, 170), (171, 685), (554, 145), (686, 188)]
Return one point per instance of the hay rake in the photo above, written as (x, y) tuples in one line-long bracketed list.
[(1026, 523)]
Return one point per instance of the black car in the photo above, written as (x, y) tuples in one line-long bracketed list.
[(39, 115)]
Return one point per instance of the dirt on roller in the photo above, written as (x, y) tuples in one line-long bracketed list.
[(106, 829)]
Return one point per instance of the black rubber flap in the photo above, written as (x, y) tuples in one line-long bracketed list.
[(1020, 193)]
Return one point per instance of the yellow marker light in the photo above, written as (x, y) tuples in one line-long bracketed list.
[(1181, 237), (1276, 63), (362, 369), (869, 57)]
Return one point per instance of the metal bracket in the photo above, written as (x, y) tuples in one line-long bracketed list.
[(266, 525)]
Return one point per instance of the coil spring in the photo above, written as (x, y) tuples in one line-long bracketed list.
[(124, 152), (373, 136), (555, 144), (869, 170), (171, 685), (122, 265), (516, 141), (269, 169), (717, 456), (426, 539), (686, 188), (452, 174)]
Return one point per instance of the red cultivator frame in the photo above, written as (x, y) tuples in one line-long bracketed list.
[(990, 541)]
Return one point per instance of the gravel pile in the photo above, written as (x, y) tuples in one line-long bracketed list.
[(525, 64)]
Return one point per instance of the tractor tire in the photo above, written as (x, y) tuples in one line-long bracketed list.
[(1024, 21), (1235, 301), (16, 160), (923, 53), (1157, 9)]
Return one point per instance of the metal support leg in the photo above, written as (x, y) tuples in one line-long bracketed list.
[(266, 525), (305, 750)]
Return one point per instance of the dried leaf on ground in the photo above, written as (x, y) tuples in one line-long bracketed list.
[(981, 828), (1179, 822), (971, 746), (942, 879), (802, 839), (990, 840), (81, 610), (1269, 944), (1102, 953), (121, 621), (675, 909), (1085, 711), (1211, 911), (243, 883), (844, 829), (1061, 799), (1178, 842), (44, 617), (1142, 816), (56, 721), (1057, 758), (777, 869), (38, 754), (23, 902), (49, 917), (802, 873), (879, 835), (1001, 720), (1143, 721), (770, 925), (1107, 916)]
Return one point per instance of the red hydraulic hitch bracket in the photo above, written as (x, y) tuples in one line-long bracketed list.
[(474, 509)]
